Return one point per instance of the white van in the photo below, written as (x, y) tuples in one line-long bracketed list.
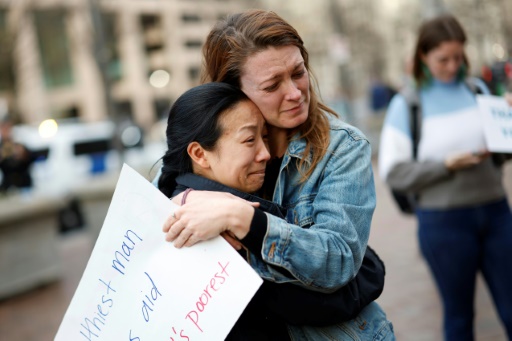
[(73, 153)]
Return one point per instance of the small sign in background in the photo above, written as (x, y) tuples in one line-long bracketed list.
[(497, 121)]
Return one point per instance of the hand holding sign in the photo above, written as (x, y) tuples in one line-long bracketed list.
[(497, 122), (138, 287), (508, 97)]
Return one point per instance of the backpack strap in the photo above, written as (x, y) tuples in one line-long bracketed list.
[(412, 99), (473, 85)]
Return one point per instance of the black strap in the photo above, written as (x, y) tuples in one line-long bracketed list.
[(414, 130)]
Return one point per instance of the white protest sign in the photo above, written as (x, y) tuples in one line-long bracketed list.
[(497, 122), (138, 287)]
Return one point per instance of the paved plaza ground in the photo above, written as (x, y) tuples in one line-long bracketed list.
[(409, 297)]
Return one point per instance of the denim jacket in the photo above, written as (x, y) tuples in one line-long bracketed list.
[(331, 214)]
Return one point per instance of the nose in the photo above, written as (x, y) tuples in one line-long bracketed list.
[(263, 153), (292, 92), (454, 66)]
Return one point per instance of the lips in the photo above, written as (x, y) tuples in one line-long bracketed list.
[(298, 107), (259, 172)]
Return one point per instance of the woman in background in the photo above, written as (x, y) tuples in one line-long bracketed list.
[(465, 222)]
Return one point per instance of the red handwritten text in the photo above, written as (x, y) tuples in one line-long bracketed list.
[(214, 285)]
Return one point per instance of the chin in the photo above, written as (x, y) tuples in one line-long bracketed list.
[(299, 121), (294, 122), (449, 79), (252, 187)]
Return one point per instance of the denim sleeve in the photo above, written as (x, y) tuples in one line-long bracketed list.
[(340, 205)]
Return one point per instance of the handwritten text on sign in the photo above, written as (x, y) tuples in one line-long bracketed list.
[(137, 287), (497, 121)]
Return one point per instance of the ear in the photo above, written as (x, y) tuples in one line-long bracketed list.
[(198, 155)]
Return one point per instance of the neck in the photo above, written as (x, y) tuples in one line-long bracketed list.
[(278, 141)]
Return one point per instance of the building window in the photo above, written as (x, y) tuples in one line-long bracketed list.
[(110, 34), (193, 73), (6, 64), (54, 47), (190, 18), (152, 31), (162, 106), (123, 111), (65, 112), (193, 44)]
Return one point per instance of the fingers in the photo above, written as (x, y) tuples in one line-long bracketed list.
[(177, 231), (232, 240), (508, 98), (190, 241), (461, 161), (254, 204), (170, 221), (185, 238)]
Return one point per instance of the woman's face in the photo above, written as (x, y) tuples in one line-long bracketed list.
[(240, 155), (277, 81), (445, 60)]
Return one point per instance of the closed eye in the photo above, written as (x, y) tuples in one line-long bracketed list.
[(299, 74), (271, 88)]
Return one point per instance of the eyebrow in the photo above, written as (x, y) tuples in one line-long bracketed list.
[(252, 127), (276, 76)]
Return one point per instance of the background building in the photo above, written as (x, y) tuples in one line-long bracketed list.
[(129, 59), (94, 59)]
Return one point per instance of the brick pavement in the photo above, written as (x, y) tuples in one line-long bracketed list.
[(409, 298)]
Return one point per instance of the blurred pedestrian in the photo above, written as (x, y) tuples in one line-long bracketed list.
[(320, 170), (380, 96), (465, 222), (15, 161)]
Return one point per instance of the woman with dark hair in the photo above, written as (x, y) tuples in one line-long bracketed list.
[(320, 171), (465, 222), (207, 126), (194, 119)]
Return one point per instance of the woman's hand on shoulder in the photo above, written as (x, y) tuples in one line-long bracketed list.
[(206, 215)]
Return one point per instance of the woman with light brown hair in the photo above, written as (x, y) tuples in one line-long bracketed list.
[(320, 172), (464, 218)]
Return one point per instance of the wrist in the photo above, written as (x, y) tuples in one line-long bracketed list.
[(240, 218)]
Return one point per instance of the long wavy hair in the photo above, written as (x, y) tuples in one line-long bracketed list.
[(239, 36)]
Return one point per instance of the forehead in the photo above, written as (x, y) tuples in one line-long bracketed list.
[(244, 115), (448, 47), (272, 61)]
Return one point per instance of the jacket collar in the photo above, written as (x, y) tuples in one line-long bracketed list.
[(190, 180)]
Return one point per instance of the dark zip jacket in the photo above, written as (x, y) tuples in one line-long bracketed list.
[(289, 303)]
